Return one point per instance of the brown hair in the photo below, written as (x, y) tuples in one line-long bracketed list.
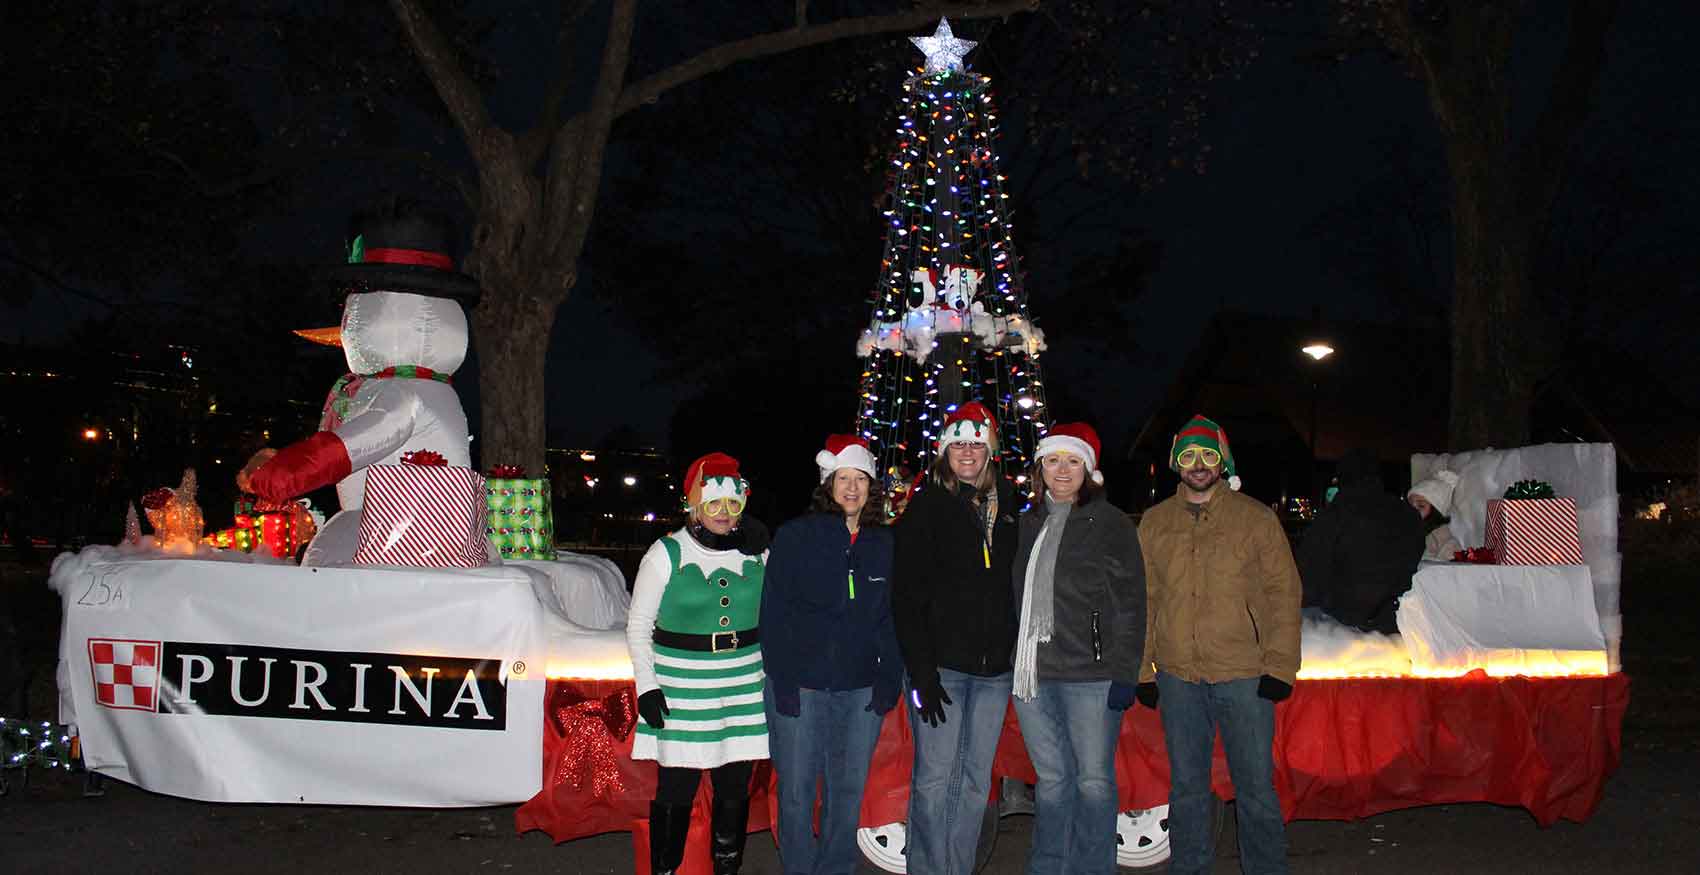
[(872, 514), (939, 473), (1089, 488)]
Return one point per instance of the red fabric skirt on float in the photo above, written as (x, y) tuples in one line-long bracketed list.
[(1344, 749)]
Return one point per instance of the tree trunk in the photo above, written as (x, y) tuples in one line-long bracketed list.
[(512, 330), (1503, 344), (1492, 375)]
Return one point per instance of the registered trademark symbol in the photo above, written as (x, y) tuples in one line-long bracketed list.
[(519, 666)]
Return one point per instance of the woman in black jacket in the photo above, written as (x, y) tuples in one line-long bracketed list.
[(1079, 581), (956, 626), (830, 652)]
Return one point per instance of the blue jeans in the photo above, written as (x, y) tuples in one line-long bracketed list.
[(1071, 736), (953, 773), (831, 739), (1191, 715)]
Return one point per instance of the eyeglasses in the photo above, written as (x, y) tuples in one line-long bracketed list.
[(728, 506), (966, 447), (1185, 458)]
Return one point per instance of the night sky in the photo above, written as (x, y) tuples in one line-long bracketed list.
[(1292, 143)]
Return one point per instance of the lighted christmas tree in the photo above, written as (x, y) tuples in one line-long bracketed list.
[(950, 322)]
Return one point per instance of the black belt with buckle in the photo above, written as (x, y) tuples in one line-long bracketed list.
[(714, 643)]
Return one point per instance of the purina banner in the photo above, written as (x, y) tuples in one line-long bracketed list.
[(240, 682)]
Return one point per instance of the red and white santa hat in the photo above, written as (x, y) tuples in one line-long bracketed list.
[(845, 451), (971, 423), (1074, 438)]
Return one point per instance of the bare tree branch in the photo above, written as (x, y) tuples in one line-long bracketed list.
[(1568, 104), (575, 169), (53, 280), (459, 93), (726, 54), (535, 142)]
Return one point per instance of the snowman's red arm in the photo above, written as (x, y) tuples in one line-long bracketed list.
[(302, 467)]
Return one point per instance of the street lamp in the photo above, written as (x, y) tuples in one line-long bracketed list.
[(1317, 350), (90, 434)]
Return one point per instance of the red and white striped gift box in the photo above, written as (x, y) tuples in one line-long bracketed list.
[(430, 515), (1533, 531)]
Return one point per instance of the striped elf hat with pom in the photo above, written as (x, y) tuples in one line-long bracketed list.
[(1204, 433)]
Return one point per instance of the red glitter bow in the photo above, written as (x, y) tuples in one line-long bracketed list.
[(424, 457), (507, 472), (1478, 555), (592, 730)]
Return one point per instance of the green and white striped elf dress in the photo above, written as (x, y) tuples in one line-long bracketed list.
[(715, 698)]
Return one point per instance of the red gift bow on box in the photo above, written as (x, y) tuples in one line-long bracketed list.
[(592, 729), (1477, 555), (507, 472), (424, 457)]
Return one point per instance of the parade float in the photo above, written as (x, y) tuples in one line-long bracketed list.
[(230, 676)]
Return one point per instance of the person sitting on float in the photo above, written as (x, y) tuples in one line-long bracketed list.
[(1432, 498), (1358, 555), (697, 662)]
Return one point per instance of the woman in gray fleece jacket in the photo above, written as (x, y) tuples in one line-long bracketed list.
[(1080, 582)]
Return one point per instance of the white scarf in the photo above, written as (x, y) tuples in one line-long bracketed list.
[(1038, 601)]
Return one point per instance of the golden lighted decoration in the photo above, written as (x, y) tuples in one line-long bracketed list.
[(590, 670), (174, 515), (1500, 664)]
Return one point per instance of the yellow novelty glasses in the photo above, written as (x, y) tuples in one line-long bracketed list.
[(1185, 458), (728, 506)]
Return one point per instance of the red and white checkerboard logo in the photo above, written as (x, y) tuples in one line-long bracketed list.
[(126, 673)]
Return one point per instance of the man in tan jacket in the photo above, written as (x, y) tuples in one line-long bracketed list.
[(1222, 647)]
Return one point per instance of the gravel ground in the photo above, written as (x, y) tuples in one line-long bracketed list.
[(1648, 822)]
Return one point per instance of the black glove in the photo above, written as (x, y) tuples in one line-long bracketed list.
[(787, 701), (1121, 695), (754, 536), (929, 701), (884, 699), (1147, 694), (1274, 689), (651, 706)]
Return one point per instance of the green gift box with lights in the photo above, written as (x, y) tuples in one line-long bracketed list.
[(521, 519)]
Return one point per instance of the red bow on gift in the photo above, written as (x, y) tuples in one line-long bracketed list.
[(424, 457), (592, 730), (1478, 555), (507, 472)]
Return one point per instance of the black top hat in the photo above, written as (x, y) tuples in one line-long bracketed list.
[(400, 246)]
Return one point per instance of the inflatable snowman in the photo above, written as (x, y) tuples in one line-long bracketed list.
[(403, 334)]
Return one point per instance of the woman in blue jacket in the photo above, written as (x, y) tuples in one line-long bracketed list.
[(830, 651)]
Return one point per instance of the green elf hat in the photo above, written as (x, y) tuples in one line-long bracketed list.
[(712, 477), (1203, 432)]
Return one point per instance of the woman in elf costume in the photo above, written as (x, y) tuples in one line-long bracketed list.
[(696, 659)]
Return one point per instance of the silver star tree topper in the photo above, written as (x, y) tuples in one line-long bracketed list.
[(943, 50)]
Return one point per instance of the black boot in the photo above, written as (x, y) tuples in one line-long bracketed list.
[(668, 826), (727, 833)]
